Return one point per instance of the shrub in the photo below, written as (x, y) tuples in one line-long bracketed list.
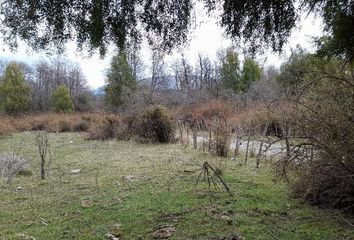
[(39, 125), (156, 125), (198, 115), (6, 127), (320, 162), (62, 101), (222, 137), (10, 165), (82, 126), (64, 126), (108, 129)]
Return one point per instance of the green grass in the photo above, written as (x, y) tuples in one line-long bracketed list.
[(162, 193)]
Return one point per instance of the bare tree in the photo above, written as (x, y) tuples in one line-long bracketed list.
[(43, 145), (183, 75), (158, 71), (47, 76), (132, 50)]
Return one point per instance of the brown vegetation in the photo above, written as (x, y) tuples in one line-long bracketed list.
[(50, 122)]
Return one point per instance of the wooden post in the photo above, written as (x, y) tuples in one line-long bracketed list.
[(247, 146), (259, 155)]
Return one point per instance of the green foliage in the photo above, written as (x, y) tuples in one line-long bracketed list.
[(230, 70), (294, 71), (339, 25), (62, 101), (120, 81), (232, 76), (14, 92), (251, 72)]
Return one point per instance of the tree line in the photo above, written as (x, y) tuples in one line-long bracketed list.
[(57, 85), (181, 82)]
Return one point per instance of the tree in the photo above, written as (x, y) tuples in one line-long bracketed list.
[(96, 23), (230, 70), (293, 72), (48, 76), (84, 102), (120, 81), (14, 92), (62, 101), (251, 72), (183, 75), (159, 79), (339, 27)]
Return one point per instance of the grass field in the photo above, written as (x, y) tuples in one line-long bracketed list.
[(86, 205)]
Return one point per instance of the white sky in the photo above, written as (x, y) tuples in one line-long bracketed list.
[(206, 38)]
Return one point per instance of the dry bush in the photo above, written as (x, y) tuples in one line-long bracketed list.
[(215, 109), (64, 126), (110, 127), (50, 122), (156, 124), (320, 162), (82, 126), (201, 113), (10, 165), (221, 137), (6, 126), (257, 117)]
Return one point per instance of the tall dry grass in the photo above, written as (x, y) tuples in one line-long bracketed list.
[(50, 122)]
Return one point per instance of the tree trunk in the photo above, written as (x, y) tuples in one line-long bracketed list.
[(195, 138), (42, 169)]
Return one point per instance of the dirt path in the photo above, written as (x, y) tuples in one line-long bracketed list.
[(274, 149)]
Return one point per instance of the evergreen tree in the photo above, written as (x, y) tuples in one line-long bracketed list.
[(120, 81), (294, 71), (62, 101), (230, 70), (14, 92), (251, 72)]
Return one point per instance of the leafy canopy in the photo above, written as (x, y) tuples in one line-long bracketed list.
[(294, 71), (251, 72), (230, 70), (45, 24), (62, 101), (14, 92), (233, 77)]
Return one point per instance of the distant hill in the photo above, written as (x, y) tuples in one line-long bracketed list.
[(98, 91)]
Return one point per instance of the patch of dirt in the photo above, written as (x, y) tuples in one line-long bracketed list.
[(164, 231), (86, 203), (116, 230)]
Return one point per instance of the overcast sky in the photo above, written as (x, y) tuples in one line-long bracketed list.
[(206, 38)]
